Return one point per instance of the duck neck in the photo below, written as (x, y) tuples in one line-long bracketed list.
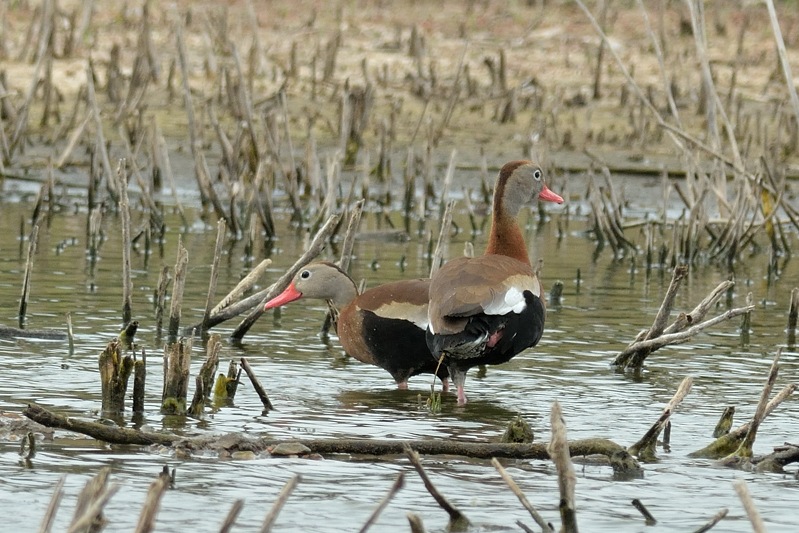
[(506, 238), (346, 291)]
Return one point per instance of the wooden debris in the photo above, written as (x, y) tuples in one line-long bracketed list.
[(26, 281), (457, 520), (51, 334), (645, 448), (115, 371), (152, 502), (205, 378), (729, 443), (178, 285), (124, 208), (522, 498), (271, 516), (749, 506), (139, 382), (91, 501), (725, 422), (259, 389), (558, 449), (684, 327), (177, 358), (52, 508), (649, 520), (718, 517), (230, 519), (395, 488), (118, 435)]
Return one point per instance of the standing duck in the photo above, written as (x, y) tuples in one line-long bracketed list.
[(485, 310), (384, 326)]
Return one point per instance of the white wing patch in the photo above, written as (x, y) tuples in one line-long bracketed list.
[(512, 299), (405, 311)]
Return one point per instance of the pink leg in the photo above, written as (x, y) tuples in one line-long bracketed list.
[(445, 385), (461, 396), (402, 385)]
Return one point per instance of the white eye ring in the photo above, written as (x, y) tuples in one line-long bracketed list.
[(305, 274), (537, 174)]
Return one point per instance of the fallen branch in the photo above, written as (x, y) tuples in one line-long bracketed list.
[(7, 332), (617, 455), (727, 444), (679, 331)]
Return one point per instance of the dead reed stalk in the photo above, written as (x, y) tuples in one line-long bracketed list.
[(33, 241), (178, 284)]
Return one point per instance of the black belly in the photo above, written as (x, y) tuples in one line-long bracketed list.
[(399, 347), (470, 347)]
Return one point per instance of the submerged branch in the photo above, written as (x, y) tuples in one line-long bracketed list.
[(684, 327), (617, 455)]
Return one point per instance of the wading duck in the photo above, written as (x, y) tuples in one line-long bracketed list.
[(384, 326), (485, 310)]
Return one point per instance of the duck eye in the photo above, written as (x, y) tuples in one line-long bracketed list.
[(305, 274), (537, 174)]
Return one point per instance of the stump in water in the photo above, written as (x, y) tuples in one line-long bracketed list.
[(115, 371), (139, 380), (176, 378), (205, 379)]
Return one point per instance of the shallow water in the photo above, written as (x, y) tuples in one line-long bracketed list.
[(320, 394)]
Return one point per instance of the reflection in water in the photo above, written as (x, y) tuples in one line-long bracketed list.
[(320, 393)]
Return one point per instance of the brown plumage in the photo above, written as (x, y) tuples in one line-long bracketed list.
[(384, 326), (487, 309)]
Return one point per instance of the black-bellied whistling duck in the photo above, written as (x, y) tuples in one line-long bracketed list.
[(384, 326), (485, 310)]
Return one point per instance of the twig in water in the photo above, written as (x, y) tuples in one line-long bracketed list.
[(243, 286), (26, 281), (559, 452), (259, 389), (416, 523), (522, 498), (52, 508), (92, 499), (457, 520), (124, 208), (288, 488), (395, 488), (749, 506), (220, 241), (718, 517), (181, 265), (230, 519), (727, 444), (646, 446), (648, 518), (744, 451), (70, 335), (151, 504)]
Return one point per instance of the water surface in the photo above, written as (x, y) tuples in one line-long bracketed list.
[(319, 393)]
